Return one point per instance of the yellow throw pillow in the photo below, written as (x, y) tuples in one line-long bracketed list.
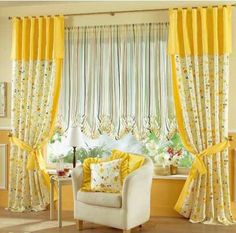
[(105, 176), (135, 161), (124, 166), (86, 185)]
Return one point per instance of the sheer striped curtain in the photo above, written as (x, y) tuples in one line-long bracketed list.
[(117, 80)]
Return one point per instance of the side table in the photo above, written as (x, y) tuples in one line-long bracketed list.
[(60, 182)]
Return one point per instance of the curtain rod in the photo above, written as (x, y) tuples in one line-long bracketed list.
[(112, 13)]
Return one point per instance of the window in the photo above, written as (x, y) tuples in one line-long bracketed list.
[(116, 81)]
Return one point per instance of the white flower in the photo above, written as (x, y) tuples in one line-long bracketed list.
[(152, 146), (162, 159), (175, 160), (153, 153)]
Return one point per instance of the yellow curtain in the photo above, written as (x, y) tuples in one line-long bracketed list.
[(37, 54), (199, 45)]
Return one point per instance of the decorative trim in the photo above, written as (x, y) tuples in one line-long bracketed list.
[(5, 128), (9, 128), (3, 163)]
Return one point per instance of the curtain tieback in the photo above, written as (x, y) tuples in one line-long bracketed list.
[(198, 166), (35, 159)]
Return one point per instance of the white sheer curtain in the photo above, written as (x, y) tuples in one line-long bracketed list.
[(117, 80)]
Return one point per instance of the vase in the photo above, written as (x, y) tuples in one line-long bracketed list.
[(162, 171), (173, 170), (60, 166), (182, 170)]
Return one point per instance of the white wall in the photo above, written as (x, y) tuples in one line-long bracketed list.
[(62, 8)]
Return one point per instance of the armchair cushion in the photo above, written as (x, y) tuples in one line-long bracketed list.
[(113, 200)]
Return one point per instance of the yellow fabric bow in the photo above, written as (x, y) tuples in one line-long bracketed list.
[(35, 159), (199, 166)]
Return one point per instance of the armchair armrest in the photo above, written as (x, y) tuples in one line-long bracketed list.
[(77, 179), (137, 191)]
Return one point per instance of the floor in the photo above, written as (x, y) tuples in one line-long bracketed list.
[(39, 222)]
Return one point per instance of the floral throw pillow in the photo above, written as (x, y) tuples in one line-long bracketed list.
[(106, 177)]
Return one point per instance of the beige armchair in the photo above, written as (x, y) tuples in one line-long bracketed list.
[(124, 210)]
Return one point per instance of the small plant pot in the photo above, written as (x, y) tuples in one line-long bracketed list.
[(182, 170), (162, 171), (173, 170)]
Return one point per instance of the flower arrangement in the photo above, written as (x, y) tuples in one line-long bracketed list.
[(167, 151)]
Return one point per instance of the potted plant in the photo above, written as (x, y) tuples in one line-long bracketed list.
[(156, 149), (168, 154), (162, 164), (181, 160), (174, 159), (185, 162)]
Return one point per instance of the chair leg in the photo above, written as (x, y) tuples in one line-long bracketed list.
[(140, 227), (127, 231), (79, 224)]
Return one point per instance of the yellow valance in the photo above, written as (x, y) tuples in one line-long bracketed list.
[(39, 38), (200, 31)]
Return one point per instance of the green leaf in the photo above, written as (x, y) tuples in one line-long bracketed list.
[(176, 138), (152, 136)]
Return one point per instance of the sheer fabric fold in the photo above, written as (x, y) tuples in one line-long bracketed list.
[(117, 80)]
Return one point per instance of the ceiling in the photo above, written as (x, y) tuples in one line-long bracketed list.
[(157, 3), (30, 3)]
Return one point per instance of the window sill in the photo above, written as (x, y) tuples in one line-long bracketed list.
[(170, 177), (52, 171)]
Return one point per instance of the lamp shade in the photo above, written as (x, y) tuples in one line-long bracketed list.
[(74, 136)]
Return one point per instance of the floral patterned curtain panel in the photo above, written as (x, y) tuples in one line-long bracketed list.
[(37, 53), (200, 44), (117, 80)]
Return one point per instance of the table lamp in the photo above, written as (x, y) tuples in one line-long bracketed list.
[(74, 140)]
